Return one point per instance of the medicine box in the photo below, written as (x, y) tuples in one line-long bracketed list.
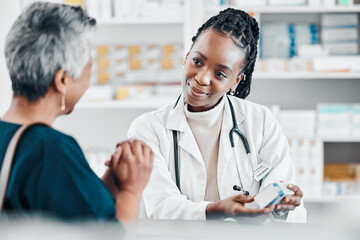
[(272, 194)]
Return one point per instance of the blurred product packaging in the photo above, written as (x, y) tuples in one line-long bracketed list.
[(334, 120), (282, 40), (308, 157), (106, 10), (341, 179), (339, 33), (337, 64)]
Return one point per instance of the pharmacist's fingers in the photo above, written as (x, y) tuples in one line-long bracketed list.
[(296, 190), (284, 207), (293, 200), (243, 198), (241, 210)]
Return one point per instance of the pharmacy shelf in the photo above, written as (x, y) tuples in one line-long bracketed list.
[(306, 75), (143, 102), (331, 199), (119, 22), (288, 9), (341, 139)]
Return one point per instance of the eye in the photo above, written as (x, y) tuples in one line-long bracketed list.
[(196, 61), (220, 74)]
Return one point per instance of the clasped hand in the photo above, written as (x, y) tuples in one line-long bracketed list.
[(130, 167)]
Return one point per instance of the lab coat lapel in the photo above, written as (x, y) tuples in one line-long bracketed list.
[(177, 121), (225, 151)]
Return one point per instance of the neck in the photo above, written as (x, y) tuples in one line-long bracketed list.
[(22, 112)]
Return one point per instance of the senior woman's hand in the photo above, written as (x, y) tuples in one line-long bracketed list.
[(290, 203), (129, 171), (131, 166)]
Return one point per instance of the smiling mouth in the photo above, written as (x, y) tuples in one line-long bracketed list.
[(197, 91)]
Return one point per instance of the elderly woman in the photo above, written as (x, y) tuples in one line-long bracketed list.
[(49, 64)]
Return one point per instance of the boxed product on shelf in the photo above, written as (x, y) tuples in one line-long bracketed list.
[(334, 120), (162, 9), (314, 3), (106, 10), (305, 34), (341, 172), (241, 3), (310, 51), (345, 48), (123, 92), (331, 189), (316, 166), (339, 20), (345, 2), (282, 40), (287, 2), (333, 35), (337, 64), (308, 158), (329, 3), (137, 63), (340, 33), (295, 64), (275, 65), (356, 119), (299, 64), (274, 40), (298, 123)]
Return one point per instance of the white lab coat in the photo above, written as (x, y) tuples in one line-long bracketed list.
[(161, 197)]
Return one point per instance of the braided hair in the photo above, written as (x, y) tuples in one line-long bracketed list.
[(244, 31)]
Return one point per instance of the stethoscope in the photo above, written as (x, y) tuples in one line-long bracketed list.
[(235, 130)]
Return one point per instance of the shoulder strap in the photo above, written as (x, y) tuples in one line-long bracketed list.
[(6, 166)]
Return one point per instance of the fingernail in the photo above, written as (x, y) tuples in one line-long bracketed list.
[(286, 200), (277, 207), (290, 186)]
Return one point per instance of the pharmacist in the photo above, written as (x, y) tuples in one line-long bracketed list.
[(208, 145)]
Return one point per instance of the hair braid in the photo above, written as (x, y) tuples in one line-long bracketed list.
[(244, 31)]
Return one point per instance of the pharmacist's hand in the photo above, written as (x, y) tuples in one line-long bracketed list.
[(131, 166), (290, 203), (234, 207)]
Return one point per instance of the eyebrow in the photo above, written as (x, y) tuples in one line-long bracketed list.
[(219, 65), (226, 67), (202, 55)]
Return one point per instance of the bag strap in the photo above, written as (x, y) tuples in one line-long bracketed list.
[(6, 166)]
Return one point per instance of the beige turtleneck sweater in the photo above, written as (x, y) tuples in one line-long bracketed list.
[(206, 127)]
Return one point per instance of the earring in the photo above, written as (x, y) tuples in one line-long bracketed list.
[(62, 108), (232, 91)]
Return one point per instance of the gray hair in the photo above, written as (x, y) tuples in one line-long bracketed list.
[(46, 37)]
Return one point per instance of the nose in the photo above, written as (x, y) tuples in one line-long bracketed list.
[(203, 78)]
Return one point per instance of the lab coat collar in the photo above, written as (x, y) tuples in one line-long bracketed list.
[(177, 119)]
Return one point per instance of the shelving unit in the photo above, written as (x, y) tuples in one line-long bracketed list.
[(305, 75), (334, 199), (119, 22), (142, 102), (290, 9), (114, 117)]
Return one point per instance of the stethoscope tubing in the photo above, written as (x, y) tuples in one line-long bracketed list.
[(234, 130)]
